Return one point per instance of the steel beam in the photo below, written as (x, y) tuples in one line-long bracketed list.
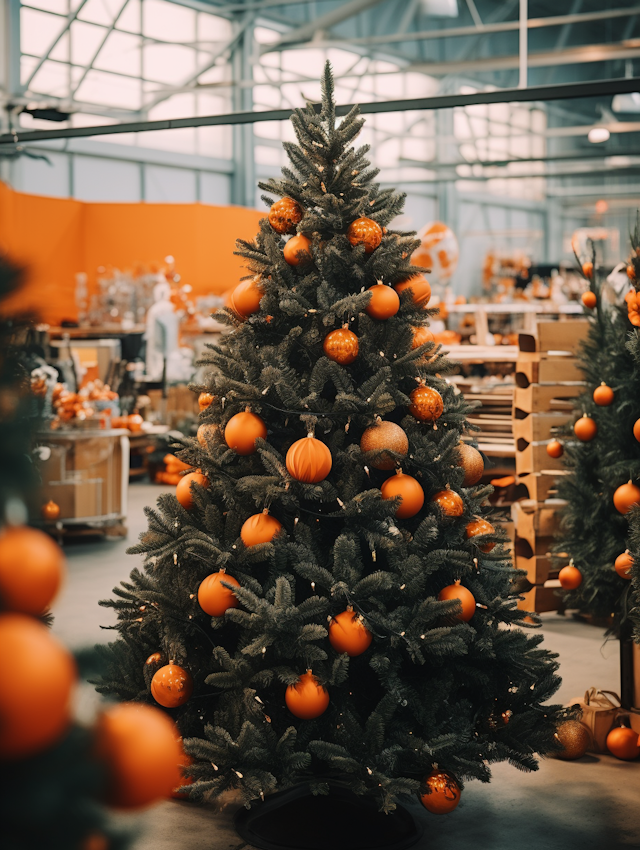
[(305, 32), (70, 19)]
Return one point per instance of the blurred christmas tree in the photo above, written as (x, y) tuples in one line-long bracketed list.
[(305, 613)]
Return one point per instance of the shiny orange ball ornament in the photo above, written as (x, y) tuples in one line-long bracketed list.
[(555, 449), (204, 400), (472, 463), (449, 502), (297, 251), (245, 298), (285, 215), (347, 633), (50, 511), (442, 793), (426, 404), (622, 742), (365, 231), (154, 658), (421, 336), (587, 269), (140, 748), (477, 527), (636, 430), (183, 489), (603, 395), (625, 496), (213, 597), (585, 429), (243, 430), (171, 685), (410, 492), (384, 303), (623, 564), (570, 577), (38, 675), (384, 437), (589, 299), (259, 528), (420, 290), (467, 600), (341, 346), (309, 460), (32, 567), (307, 698)]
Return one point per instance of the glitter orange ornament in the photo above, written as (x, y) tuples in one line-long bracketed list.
[(570, 577), (625, 496), (347, 633), (341, 346), (297, 251), (623, 564), (309, 460), (421, 336), (589, 299), (575, 739), (32, 567), (243, 430), (409, 490), (603, 395), (426, 404), (477, 527), (245, 298), (585, 429), (442, 793), (183, 490), (307, 698), (213, 597), (50, 511), (449, 502), (467, 600), (259, 528), (285, 215), (622, 742), (171, 686), (555, 449), (204, 400), (384, 437), (472, 463), (365, 231), (420, 290), (384, 302)]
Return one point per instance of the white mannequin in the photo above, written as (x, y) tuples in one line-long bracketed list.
[(162, 330)]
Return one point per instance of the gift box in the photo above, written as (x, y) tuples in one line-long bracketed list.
[(599, 711)]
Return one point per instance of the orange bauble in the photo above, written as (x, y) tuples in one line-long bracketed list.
[(589, 299), (204, 400), (207, 434), (32, 567), (622, 742), (184, 761), (631, 272), (38, 675), (347, 633), (134, 422), (297, 251), (587, 269), (140, 748), (341, 346), (50, 511), (625, 496), (410, 492), (154, 658), (384, 302), (171, 686), (480, 526), (259, 528), (183, 490), (246, 297), (307, 698), (384, 437), (585, 429), (421, 336), (285, 215), (623, 565), (309, 460), (365, 231), (420, 290), (426, 404), (603, 395), (442, 793), (243, 430), (570, 577), (636, 430), (467, 599), (449, 502), (213, 597), (555, 449), (472, 463)]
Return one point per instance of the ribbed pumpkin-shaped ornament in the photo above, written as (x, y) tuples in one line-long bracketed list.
[(309, 460)]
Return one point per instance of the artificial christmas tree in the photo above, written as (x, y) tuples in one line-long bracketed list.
[(331, 657)]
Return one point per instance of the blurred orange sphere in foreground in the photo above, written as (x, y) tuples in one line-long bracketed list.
[(31, 569)]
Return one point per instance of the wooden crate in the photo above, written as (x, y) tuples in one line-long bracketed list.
[(538, 426), (544, 398), (540, 599), (536, 368), (541, 485), (535, 522), (533, 457), (555, 336), (539, 568)]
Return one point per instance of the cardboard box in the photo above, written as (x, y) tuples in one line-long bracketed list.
[(533, 457), (180, 404), (538, 426), (535, 368), (540, 599), (535, 522), (555, 336), (541, 485), (544, 398)]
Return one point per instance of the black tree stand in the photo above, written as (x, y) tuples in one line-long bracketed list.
[(295, 819)]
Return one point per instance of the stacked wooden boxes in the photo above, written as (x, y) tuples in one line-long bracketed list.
[(548, 381)]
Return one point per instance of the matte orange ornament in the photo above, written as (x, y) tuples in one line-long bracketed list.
[(384, 437), (421, 336), (426, 404), (570, 577), (589, 299), (32, 567), (307, 698), (347, 633), (449, 502), (243, 430), (38, 675), (140, 748), (480, 526), (603, 395), (467, 599), (50, 511), (472, 463), (365, 231), (442, 793), (585, 429), (246, 297), (183, 490), (285, 215), (171, 685), (555, 448), (587, 269), (623, 565), (625, 496), (409, 490), (309, 460), (259, 528), (384, 303), (420, 290), (213, 597), (341, 346), (297, 251), (622, 742), (204, 400), (636, 430)]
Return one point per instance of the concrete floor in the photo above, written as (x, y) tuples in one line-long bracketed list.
[(590, 804)]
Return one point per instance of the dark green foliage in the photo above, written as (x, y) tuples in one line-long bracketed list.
[(429, 687)]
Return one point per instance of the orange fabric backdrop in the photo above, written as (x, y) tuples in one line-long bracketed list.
[(56, 237)]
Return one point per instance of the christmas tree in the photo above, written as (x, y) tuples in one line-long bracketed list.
[(323, 599)]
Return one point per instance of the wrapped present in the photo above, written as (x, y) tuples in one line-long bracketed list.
[(599, 711)]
